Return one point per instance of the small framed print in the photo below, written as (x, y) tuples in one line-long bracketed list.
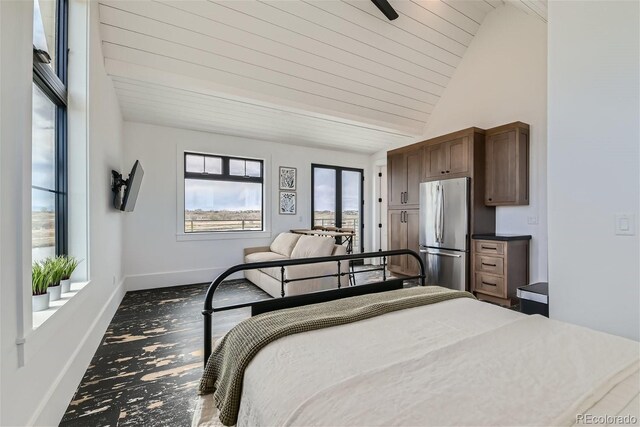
[(288, 178), (287, 203)]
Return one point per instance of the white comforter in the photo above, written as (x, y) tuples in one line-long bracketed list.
[(459, 362)]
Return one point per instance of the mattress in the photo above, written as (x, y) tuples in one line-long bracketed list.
[(441, 364)]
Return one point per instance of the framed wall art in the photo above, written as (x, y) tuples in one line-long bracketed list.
[(288, 178), (287, 203)]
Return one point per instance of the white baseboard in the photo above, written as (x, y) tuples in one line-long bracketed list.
[(54, 404), (139, 282)]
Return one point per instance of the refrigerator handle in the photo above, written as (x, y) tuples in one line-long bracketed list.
[(437, 215), (442, 214), (424, 251)]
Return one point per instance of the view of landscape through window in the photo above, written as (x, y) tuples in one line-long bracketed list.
[(325, 200), (226, 194), (222, 194), (43, 200), (44, 168)]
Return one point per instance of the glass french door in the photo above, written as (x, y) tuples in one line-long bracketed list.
[(337, 200)]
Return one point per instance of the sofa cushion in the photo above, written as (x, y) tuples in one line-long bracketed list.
[(313, 246), (284, 243), (263, 256), (339, 250)]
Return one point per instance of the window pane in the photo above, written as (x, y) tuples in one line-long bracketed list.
[(213, 165), (44, 140), (44, 27), (253, 169), (236, 167), (324, 197), (195, 163), (43, 224), (222, 206), (351, 201)]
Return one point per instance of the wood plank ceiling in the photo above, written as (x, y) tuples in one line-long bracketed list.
[(325, 73)]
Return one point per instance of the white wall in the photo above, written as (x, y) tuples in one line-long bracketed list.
[(502, 78), (40, 375), (594, 170), (155, 253)]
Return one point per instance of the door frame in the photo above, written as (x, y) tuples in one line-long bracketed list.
[(339, 170)]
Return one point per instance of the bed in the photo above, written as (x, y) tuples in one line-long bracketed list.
[(457, 361)]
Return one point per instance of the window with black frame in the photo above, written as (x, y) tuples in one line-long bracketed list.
[(222, 193), (49, 129), (337, 200)]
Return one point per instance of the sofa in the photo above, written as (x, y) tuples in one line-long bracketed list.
[(291, 245)]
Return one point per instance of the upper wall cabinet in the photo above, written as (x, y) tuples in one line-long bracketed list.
[(507, 165), (448, 159), (404, 170)]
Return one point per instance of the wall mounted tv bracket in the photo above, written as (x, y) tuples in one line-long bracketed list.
[(117, 182)]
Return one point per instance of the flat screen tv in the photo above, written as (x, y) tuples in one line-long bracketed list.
[(126, 191)]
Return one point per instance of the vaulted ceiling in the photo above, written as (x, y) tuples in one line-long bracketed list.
[(325, 73)]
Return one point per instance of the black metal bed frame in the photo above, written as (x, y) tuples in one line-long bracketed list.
[(263, 306)]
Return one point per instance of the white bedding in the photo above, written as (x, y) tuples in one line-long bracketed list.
[(458, 362)]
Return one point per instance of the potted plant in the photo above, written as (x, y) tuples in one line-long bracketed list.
[(39, 285), (54, 268), (70, 264)]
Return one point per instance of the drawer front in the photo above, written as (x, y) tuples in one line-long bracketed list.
[(491, 285), (489, 247), (489, 264)]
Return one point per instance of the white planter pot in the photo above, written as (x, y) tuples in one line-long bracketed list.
[(54, 292), (40, 302), (65, 286)]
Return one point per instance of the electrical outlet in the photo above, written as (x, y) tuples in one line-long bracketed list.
[(532, 220), (625, 224)]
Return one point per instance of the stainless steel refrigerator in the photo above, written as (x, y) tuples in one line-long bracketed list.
[(444, 231)]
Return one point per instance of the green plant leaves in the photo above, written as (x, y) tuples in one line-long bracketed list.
[(50, 271)]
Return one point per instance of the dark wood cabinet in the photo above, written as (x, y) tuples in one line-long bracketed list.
[(507, 165), (499, 268), (459, 154), (403, 234), (434, 161), (404, 171), (448, 159), (396, 177), (412, 222), (414, 173), (397, 239)]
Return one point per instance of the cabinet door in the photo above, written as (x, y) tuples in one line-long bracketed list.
[(397, 178), (412, 218), (434, 159), (501, 161), (457, 156), (397, 239), (414, 177)]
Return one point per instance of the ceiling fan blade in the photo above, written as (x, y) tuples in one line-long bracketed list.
[(386, 9)]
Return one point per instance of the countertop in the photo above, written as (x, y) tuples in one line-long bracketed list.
[(501, 237)]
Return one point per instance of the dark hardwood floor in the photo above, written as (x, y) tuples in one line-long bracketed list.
[(148, 365)]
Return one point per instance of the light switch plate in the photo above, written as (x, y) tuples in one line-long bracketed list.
[(532, 220), (625, 224)]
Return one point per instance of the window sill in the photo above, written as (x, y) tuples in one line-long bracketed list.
[(233, 235), (39, 317)]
